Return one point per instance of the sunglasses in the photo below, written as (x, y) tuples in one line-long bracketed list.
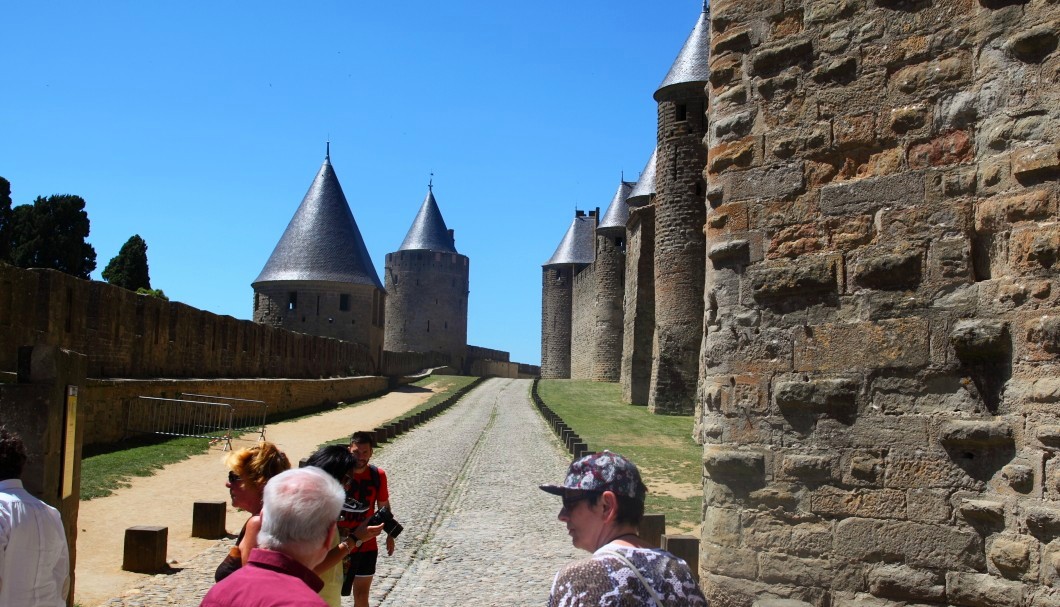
[(233, 478), (569, 501)]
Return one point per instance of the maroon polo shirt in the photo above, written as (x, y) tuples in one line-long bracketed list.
[(269, 579)]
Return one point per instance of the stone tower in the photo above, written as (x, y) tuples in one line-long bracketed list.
[(679, 218), (320, 279), (639, 306), (574, 253), (427, 289), (609, 273)]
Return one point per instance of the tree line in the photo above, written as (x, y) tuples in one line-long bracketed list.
[(52, 233)]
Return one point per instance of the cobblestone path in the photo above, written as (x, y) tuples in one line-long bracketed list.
[(478, 531)]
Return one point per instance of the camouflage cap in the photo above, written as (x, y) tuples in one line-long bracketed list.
[(603, 471)]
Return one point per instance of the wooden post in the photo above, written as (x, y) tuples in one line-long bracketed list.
[(208, 519), (145, 549)]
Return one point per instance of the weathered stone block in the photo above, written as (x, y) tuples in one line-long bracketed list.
[(807, 276), (930, 77), (722, 526), (776, 182), (870, 195), (865, 503), (928, 505), (1035, 249), (725, 464), (728, 251), (981, 340), (1050, 435), (906, 583), (822, 395), (899, 269), (1045, 332), (772, 58), (898, 343), (995, 214), (916, 544), (983, 511), (1034, 44), (729, 561), (1034, 162), (732, 126), (735, 153), (954, 147), (1042, 521), (1018, 476), (1012, 555), (978, 590), (808, 467), (785, 569), (975, 434)]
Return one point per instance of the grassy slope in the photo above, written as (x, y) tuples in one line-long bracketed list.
[(660, 445)]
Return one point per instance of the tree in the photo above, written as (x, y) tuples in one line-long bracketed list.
[(128, 269), (51, 233), (5, 219)]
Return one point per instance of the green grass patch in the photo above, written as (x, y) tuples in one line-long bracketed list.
[(660, 445), (106, 472)]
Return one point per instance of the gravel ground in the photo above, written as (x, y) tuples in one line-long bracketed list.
[(478, 531)]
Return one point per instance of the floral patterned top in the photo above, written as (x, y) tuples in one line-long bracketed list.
[(604, 579)]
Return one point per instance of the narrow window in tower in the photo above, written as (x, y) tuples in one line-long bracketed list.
[(344, 302), (447, 325), (428, 326), (292, 300), (681, 112), (318, 305), (257, 301)]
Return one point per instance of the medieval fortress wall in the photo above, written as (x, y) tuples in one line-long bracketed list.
[(877, 385)]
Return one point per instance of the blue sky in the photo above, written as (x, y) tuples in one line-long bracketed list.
[(200, 125)]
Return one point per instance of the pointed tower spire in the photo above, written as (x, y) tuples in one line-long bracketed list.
[(645, 188), (428, 231), (618, 211), (322, 242), (579, 243), (693, 62)]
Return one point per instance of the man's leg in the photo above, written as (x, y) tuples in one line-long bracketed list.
[(361, 587)]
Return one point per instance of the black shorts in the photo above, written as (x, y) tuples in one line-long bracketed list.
[(362, 564)]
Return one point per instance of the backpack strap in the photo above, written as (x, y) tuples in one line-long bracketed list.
[(374, 471)]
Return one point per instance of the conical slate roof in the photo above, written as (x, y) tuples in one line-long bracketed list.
[(428, 231), (641, 194), (693, 62), (578, 245), (618, 211), (322, 241)]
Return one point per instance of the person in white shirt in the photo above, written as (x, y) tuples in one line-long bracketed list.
[(34, 559)]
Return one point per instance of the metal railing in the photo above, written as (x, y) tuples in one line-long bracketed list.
[(178, 417), (250, 415)]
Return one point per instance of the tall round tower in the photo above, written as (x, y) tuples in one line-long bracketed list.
[(680, 214), (574, 253), (427, 289), (610, 280), (319, 279), (638, 327)]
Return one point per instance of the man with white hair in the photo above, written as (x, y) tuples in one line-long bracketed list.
[(298, 520)]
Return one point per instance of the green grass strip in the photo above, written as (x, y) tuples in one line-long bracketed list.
[(660, 445)]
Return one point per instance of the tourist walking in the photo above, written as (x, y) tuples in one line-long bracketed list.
[(603, 504), (366, 493), (34, 558)]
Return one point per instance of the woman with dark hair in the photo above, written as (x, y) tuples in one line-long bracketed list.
[(337, 461), (248, 471)]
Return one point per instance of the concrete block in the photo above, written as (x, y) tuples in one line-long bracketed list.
[(208, 520), (145, 549)]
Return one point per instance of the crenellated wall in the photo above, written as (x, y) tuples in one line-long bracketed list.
[(878, 396)]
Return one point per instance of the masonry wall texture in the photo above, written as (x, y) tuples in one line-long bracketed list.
[(878, 396), (679, 249), (610, 273), (134, 336), (583, 323), (426, 302), (557, 289), (638, 324)]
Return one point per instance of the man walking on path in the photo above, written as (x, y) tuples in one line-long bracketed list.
[(34, 559), (297, 529), (603, 503), (366, 493)]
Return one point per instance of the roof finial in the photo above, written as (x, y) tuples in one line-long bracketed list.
[(430, 184), (706, 5), (327, 152)]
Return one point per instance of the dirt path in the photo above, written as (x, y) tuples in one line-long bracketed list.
[(166, 498)]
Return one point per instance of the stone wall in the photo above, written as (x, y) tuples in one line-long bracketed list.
[(129, 335), (638, 323), (106, 403), (349, 312), (583, 323), (487, 354), (679, 249), (426, 302), (610, 268), (557, 284), (878, 398)]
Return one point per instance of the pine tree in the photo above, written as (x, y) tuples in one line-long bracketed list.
[(128, 269), (51, 233)]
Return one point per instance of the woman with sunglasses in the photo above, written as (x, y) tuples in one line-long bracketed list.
[(248, 471)]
